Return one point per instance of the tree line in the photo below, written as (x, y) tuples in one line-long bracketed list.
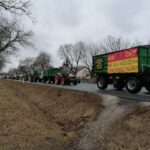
[(81, 53), (12, 34), (31, 64)]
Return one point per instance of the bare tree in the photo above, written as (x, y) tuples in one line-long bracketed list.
[(137, 43), (77, 54), (18, 7), (43, 60), (26, 65), (72, 54), (90, 50), (66, 52), (112, 43), (13, 71), (2, 61), (28, 62), (12, 37), (78, 51)]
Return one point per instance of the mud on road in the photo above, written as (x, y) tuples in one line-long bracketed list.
[(40, 117)]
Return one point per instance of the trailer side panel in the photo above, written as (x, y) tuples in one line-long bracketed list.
[(144, 60), (100, 64), (123, 61)]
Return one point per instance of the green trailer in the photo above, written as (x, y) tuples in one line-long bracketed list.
[(36, 75), (59, 76), (128, 68), (49, 74)]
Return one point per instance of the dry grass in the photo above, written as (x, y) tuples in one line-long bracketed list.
[(132, 132), (45, 118), (39, 117)]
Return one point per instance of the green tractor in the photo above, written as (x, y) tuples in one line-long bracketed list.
[(35, 75)]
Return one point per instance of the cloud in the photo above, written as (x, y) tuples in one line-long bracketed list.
[(68, 21)]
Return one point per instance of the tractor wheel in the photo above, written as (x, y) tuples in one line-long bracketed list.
[(52, 81), (147, 87), (68, 82), (57, 79), (133, 85), (31, 79), (62, 82), (102, 82), (78, 80), (44, 80), (75, 82)]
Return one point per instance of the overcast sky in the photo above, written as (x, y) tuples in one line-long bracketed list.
[(69, 21)]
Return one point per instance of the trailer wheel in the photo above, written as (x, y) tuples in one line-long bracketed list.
[(44, 80), (133, 85), (57, 79), (31, 79), (102, 82), (119, 86), (78, 80), (62, 81), (75, 82), (51, 81), (68, 82), (147, 87)]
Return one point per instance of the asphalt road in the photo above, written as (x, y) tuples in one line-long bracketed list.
[(144, 95)]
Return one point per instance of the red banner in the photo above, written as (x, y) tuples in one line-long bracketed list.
[(123, 61), (122, 55)]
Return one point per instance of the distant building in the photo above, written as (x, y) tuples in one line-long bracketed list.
[(83, 74)]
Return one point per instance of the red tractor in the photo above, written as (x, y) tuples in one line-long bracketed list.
[(65, 79)]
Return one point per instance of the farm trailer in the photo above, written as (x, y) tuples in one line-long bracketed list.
[(50, 74), (128, 68), (59, 76)]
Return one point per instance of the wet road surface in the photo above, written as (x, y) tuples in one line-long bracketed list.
[(143, 95)]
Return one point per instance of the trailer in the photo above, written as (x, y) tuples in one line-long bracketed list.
[(49, 74), (60, 75), (35, 75), (128, 68)]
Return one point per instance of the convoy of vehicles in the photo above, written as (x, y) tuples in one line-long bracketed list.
[(51, 75), (128, 68)]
